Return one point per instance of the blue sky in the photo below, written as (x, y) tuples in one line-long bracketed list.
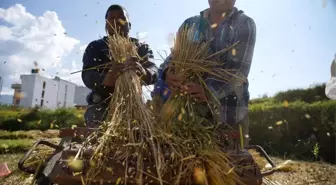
[(296, 39)]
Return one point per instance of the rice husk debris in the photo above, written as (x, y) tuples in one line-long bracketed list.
[(193, 138), (179, 143), (127, 135)]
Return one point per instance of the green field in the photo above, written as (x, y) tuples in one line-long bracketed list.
[(301, 120), (298, 124)]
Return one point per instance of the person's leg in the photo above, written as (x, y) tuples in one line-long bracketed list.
[(244, 123), (95, 115), (245, 127)]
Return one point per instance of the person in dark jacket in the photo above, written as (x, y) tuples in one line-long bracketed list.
[(224, 25), (100, 79)]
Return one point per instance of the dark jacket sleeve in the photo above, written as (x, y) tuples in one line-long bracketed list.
[(91, 75), (148, 64)]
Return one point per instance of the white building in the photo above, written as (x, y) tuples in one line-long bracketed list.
[(46, 93), (36, 90), (81, 93)]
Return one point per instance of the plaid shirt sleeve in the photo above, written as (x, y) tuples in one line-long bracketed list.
[(240, 60), (160, 87)]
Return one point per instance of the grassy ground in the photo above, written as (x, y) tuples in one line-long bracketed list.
[(12, 144), (302, 173), (17, 177), (21, 141), (32, 134), (15, 145)]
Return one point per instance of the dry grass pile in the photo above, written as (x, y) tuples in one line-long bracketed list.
[(185, 129), (181, 145), (127, 136), (191, 61)]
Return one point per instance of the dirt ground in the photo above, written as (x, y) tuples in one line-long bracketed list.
[(300, 173), (303, 173)]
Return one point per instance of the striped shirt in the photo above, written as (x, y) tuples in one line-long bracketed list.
[(234, 95)]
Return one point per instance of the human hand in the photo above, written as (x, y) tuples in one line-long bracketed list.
[(118, 68), (195, 91), (174, 82), (134, 63)]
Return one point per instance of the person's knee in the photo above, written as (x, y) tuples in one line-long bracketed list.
[(94, 115)]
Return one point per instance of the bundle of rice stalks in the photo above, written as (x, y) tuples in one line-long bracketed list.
[(184, 128), (183, 141), (191, 60), (195, 145), (127, 135)]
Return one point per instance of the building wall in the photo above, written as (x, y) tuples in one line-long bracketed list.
[(69, 94), (60, 94), (50, 97), (46, 93), (66, 93), (27, 87), (81, 93)]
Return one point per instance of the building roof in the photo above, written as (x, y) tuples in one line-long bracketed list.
[(81, 86), (60, 79), (16, 86), (56, 78)]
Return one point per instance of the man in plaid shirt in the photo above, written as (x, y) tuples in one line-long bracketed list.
[(226, 25)]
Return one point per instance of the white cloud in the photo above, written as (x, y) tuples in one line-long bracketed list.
[(83, 47), (5, 33), (73, 63), (31, 38), (76, 78), (17, 15), (141, 35)]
